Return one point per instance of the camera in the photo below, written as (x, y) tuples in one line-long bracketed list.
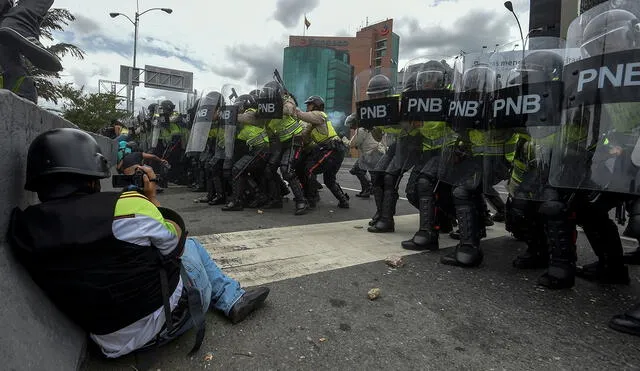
[(123, 181)]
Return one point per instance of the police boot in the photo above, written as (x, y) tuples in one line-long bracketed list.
[(482, 205), (468, 252), (443, 222), (365, 185), (298, 195), (219, 198), (606, 244), (537, 254), (562, 266), (385, 222), (378, 196), (273, 190), (427, 236), (499, 205), (343, 198), (237, 188)]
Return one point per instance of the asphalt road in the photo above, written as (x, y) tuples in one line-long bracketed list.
[(429, 316)]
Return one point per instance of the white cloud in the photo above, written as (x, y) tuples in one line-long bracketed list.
[(240, 42)]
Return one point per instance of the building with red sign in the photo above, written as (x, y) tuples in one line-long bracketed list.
[(375, 47)]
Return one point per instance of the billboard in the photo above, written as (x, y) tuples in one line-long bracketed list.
[(168, 79)]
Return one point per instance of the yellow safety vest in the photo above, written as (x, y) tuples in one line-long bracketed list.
[(253, 135), (319, 137), (436, 134)]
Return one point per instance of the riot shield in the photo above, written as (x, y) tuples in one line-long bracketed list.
[(377, 110), (270, 102), (462, 159), (525, 114), (156, 129), (601, 118), (206, 114)]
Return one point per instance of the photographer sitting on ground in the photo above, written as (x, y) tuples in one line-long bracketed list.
[(117, 264)]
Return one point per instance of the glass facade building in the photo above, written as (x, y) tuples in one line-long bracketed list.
[(319, 71)]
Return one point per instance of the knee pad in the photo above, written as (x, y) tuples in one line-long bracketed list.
[(462, 194), (426, 185), (390, 181)]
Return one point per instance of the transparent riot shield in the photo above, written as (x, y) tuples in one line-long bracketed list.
[(462, 160), (426, 92), (270, 102), (228, 131), (601, 118), (378, 112), (206, 114), (525, 114), (155, 131)]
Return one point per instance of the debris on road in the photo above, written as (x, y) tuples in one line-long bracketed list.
[(260, 212), (208, 357), (322, 340), (394, 261), (358, 227), (374, 293)]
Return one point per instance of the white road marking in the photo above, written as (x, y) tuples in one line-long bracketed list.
[(267, 255)]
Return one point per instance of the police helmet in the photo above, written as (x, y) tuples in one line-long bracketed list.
[(317, 101), (255, 93), (272, 89), (64, 151), (152, 108), (611, 31), (479, 79), (432, 75), (379, 84), (167, 106), (410, 82), (539, 66), (246, 101)]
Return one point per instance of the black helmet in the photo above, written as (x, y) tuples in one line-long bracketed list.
[(167, 106), (539, 66), (255, 93), (316, 101), (611, 31), (481, 79), (152, 108), (410, 82), (272, 89), (246, 101), (379, 84), (64, 151), (432, 75)]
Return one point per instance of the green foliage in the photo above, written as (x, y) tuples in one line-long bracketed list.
[(55, 20), (91, 112)]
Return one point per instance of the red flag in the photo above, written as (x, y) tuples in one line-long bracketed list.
[(306, 22)]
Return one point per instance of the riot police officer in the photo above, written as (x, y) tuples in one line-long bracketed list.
[(252, 164), (286, 132), (327, 155)]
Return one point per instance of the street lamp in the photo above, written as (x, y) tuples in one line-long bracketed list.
[(509, 6), (135, 24)]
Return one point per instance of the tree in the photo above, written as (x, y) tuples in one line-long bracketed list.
[(48, 88), (91, 112)]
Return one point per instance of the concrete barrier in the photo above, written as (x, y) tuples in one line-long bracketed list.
[(35, 335)]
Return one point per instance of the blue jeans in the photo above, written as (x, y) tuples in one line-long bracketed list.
[(216, 289)]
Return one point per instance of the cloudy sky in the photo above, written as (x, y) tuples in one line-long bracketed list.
[(241, 42)]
